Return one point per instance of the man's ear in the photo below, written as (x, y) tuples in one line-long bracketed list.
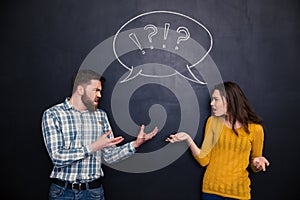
[(80, 90)]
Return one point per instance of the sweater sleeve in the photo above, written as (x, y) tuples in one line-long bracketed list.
[(204, 156), (257, 144), (203, 161)]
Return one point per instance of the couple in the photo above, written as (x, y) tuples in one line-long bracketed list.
[(77, 135)]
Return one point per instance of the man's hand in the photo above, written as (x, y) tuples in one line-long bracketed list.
[(143, 137), (260, 163), (104, 141)]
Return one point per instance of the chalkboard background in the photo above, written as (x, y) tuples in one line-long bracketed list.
[(44, 42)]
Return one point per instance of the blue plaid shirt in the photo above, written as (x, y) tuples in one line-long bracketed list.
[(68, 135)]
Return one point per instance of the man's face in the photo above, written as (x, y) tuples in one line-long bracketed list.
[(218, 104), (92, 94)]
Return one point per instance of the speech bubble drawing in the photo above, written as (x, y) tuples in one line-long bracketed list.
[(119, 43)]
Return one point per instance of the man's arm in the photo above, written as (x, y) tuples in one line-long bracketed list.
[(114, 154), (60, 153)]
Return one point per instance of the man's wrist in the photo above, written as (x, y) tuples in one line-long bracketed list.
[(135, 144)]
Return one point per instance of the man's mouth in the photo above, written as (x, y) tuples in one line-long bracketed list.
[(96, 101)]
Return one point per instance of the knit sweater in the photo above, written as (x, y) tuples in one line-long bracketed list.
[(227, 161)]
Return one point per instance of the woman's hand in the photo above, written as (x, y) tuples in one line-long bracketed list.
[(260, 163), (183, 136), (179, 137)]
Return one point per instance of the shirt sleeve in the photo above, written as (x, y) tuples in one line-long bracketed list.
[(115, 153), (257, 144), (60, 153)]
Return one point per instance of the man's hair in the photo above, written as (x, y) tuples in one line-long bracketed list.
[(84, 76)]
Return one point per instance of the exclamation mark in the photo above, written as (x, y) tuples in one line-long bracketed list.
[(136, 41), (166, 31)]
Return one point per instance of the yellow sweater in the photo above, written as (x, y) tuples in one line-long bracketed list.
[(226, 174)]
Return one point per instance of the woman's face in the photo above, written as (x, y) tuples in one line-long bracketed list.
[(218, 104)]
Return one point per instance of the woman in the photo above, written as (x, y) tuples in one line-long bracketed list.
[(233, 137)]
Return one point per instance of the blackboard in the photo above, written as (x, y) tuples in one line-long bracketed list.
[(255, 43)]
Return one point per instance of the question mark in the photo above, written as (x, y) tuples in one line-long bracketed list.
[(182, 38), (152, 33)]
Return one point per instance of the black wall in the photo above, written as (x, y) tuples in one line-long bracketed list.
[(44, 42)]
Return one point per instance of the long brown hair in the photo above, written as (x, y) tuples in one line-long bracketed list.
[(238, 106)]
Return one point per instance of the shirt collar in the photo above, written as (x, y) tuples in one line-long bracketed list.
[(67, 104)]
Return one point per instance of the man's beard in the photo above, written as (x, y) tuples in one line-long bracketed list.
[(88, 103)]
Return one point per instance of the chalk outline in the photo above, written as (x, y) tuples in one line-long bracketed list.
[(176, 72)]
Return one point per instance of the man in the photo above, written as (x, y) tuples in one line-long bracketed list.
[(76, 134)]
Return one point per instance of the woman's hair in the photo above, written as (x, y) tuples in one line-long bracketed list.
[(238, 106)]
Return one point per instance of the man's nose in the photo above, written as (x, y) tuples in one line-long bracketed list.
[(98, 94)]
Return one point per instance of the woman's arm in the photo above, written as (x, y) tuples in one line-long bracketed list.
[(258, 162)]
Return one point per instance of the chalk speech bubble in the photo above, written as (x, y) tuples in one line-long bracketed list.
[(140, 40)]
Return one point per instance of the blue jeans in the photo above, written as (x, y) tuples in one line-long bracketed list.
[(206, 196), (57, 192)]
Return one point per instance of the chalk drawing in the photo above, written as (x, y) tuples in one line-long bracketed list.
[(183, 35)]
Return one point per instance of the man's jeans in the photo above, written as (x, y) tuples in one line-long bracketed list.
[(57, 192)]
